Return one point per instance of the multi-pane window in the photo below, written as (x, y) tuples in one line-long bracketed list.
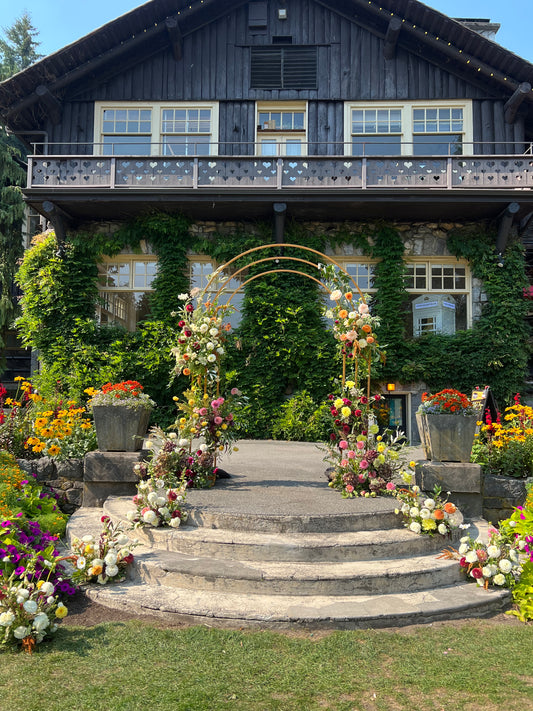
[(361, 272), (281, 130), (157, 129), (408, 128), (437, 131), (124, 286), (186, 131), (126, 131), (376, 131), (200, 273), (439, 297)]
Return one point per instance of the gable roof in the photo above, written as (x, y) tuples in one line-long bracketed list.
[(424, 31)]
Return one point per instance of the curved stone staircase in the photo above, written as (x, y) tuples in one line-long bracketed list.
[(352, 569)]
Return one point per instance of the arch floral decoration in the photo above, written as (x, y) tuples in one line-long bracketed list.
[(362, 462)]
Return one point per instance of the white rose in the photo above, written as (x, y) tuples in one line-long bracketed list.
[(40, 622), (487, 571), (352, 315), (183, 442), (161, 501), (499, 579), (493, 551), (505, 565), (110, 559), (429, 504), (23, 593), (513, 555), (30, 606), (122, 540), (210, 346), (164, 512), (174, 522), (47, 588), (6, 618), (220, 351), (415, 527), (362, 343), (152, 497), (405, 508), (335, 295), (363, 308), (414, 511), (521, 544), (211, 358), (203, 328), (183, 297), (172, 435), (131, 515), (425, 513), (465, 539), (151, 518), (21, 632), (111, 570), (184, 516), (50, 600), (463, 548), (213, 332), (471, 557), (442, 529)]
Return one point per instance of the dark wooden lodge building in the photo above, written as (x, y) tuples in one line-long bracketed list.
[(332, 115)]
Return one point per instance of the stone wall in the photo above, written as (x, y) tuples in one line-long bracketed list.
[(64, 479)]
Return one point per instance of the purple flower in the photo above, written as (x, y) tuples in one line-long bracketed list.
[(5, 524), (20, 570)]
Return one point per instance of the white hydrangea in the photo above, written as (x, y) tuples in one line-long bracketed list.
[(40, 622)]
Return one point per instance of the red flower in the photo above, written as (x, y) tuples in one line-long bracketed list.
[(189, 308), (476, 573)]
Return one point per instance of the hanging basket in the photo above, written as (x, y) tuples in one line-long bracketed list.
[(120, 428), (447, 438)]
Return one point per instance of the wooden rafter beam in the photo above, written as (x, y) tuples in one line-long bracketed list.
[(513, 104), (391, 37), (175, 37), (59, 220)]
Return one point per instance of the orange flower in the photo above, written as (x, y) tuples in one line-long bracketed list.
[(366, 328), (228, 327), (450, 508), (438, 515), (343, 313), (186, 371), (370, 339), (348, 296)]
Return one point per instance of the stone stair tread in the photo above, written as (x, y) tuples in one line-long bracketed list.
[(351, 611)]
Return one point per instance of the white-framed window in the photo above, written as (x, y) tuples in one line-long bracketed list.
[(281, 128), (201, 269), (160, 128), (440, 296), (361, 270), (408, 128), (124, 285)]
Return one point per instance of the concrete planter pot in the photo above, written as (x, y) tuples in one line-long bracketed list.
[(119, 428), (447, 438)]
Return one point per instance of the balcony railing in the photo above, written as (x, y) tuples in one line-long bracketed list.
[(335, 172)]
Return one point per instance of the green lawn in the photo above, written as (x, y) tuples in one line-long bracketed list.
[(476, 665)]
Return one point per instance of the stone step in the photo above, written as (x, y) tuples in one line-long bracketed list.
[(361, 611), (179, 570), (271, 546), (366, 515)]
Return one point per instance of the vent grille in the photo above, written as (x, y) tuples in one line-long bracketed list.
[(283, 67)]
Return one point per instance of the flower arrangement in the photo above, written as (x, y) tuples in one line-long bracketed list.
[(102, 559), (446, 402), (200, 344), (506, 447), (29, 608), (128, 393), (161, 491), (208, 418), (427, 514), (364, 462)]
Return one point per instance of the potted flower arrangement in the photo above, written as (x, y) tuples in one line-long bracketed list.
[(121, 413), (364, 463), (102, 559), (447, 423)]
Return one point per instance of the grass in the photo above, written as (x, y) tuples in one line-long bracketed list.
[(132, 666)]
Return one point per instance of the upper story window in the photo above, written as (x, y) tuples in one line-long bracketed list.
[(180, 129), (283, 67), (281, 129), (413, 128)]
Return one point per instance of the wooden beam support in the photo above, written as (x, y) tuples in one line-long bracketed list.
[(59, 220), (513, 104), (391, 37), (175, 37), (52, 104), (506, 220)]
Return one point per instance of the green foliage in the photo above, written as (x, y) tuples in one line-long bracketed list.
[(19, 48), (300, 419)]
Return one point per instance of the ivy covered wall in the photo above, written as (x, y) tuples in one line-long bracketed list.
[(281, 346)]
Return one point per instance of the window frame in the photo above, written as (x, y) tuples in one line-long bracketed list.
[(157, 134), (408, 133), (280, 136)]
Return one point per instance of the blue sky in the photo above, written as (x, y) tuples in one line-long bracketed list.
[(61, 22)]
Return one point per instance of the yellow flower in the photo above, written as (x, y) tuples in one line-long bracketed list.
[(89, 391), (338, 403), (53, 450), (346, 412), (19, 377), (61, 611), (429, 524), (85, 425), (38, 447)]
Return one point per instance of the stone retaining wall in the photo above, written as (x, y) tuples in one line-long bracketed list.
[(64, 479)]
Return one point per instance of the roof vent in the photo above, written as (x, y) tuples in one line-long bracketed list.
[(483, 27)]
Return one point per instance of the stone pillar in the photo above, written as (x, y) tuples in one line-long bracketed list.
[(462, 479), (109, 474)]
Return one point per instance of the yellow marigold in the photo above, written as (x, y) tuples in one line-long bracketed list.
[(429, 524)]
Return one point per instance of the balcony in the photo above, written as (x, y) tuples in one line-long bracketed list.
[(484, 181)]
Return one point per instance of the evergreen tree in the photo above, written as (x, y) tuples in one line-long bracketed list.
[(19, 47)]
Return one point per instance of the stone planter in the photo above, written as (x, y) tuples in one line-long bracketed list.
[(447, 438), (120, 428), (501, 494)]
